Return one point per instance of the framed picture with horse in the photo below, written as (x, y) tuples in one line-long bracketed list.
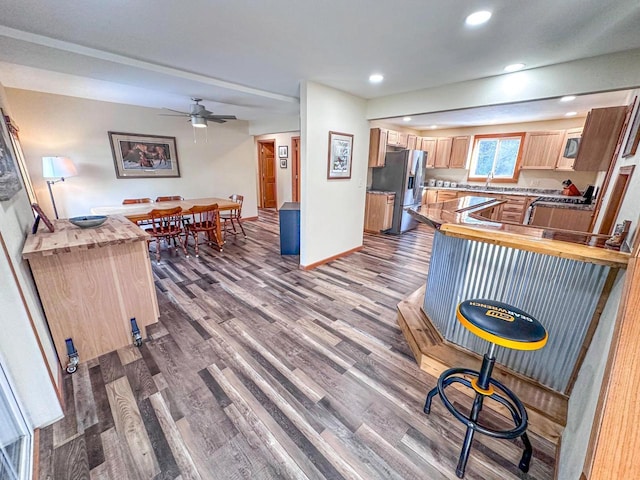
[(144, 156)]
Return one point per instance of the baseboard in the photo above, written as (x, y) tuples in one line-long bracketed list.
[(36, 454), (331, 259)]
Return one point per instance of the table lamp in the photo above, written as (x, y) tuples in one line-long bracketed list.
[(58, 168)]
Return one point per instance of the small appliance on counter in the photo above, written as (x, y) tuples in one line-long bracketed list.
[(570, 189), (432, 182)]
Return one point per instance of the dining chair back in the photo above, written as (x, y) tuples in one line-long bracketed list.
[(130, 201), (169, 198), (204, 219), (231, 217), (166, 224)]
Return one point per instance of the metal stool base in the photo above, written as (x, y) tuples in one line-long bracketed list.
[(507, 398)]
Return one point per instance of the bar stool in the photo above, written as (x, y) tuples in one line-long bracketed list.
[(499, 324)]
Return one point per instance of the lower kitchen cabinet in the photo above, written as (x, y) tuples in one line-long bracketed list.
[(378, 211), (562, 218)]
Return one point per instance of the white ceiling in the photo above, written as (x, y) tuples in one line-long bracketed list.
[(254, 54)]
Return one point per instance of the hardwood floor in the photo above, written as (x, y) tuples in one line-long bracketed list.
[(260, 370)]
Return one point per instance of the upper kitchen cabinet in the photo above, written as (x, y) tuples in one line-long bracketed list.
[(429, 146), (569, 149), (541, 149), (599, 138), (397, 139), (418, 143), (411, 142), (443, 152), (459, 152), (377, 147)]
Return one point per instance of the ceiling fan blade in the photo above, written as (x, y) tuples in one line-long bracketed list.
[(173, 115), (216, 120), (177, 111), (221, 117)]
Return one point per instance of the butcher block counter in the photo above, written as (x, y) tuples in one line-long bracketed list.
[(91, 282)]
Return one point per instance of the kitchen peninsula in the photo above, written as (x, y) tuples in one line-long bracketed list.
[(564, 284)]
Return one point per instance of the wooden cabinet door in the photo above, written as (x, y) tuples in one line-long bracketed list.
[(392, 137), (541, 149), (378, 212), (599, 139), (430, 197), (562, 218), (403, 138), (429, 146), (418, 143), (411, 142), (446, 195), (377, 147), (443, 152), (459, 152), (566, 162)]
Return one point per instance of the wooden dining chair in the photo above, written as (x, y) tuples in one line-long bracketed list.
[(231, 217), (169, 198), (166, 224), (131, 201), (204, 219)]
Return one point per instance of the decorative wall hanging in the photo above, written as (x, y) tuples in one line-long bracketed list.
[(144, 156), (340, 154)]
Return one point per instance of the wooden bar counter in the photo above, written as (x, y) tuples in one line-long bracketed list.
[(91, 282), (564, 284)]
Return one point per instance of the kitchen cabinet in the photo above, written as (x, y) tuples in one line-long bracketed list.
[(377, 147), (541, 149), (411, 142), (578, 220), (392, 137), (459, 152), (569, 149), (378, 211), (443, 152), (397, 139), (429, 197), (599, 139), (418, 143), (446, 195), (514, 209), (429, 146), (289, 216)]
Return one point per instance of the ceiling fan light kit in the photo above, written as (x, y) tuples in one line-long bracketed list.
[(198, 122), (198, 115)]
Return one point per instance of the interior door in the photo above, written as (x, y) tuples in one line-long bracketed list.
[(295, 169), (267, 161)]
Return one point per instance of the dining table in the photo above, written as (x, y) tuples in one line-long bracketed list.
[(140, 212)]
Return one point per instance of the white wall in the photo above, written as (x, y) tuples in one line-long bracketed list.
[(77, 128), (283, 175), (617, 71), (332, 211), (19, 350)]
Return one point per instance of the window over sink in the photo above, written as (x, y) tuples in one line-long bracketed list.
[(496, 157)]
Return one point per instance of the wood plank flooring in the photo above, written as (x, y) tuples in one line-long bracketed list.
[(259, 370)]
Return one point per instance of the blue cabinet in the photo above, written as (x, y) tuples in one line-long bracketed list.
[(290, 228)]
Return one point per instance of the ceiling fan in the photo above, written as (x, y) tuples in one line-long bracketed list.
[(199, 115)]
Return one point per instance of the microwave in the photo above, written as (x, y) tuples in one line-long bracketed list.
[(571, 143)]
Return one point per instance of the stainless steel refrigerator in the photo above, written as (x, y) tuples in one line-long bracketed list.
[(403, 173)]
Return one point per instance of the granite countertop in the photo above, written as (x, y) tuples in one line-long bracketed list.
[(380, 192)]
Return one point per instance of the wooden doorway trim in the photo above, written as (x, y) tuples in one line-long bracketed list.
[(618, 192), (295, 169), (267, 179)]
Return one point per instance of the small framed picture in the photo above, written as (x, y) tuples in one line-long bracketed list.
[(283, 163), (340, 146), (40, 216), (283, 152)]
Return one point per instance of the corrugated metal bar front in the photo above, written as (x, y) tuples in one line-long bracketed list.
[(561, 293)]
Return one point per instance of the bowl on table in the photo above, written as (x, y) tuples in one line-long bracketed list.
[(88, 221)]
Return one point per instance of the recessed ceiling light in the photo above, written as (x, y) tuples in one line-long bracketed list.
[(406, 119), (433, 127), (514, 67), (570, 114), (376, 78), (478, 18), (568, 98)]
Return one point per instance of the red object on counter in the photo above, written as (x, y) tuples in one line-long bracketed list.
[(571, 191)]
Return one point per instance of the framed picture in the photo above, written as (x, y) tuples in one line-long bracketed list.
[(283, 151), (283, 163), (340, 153), (144, 156), (19, 155), (40, 215), (10, 183), (631, 147)]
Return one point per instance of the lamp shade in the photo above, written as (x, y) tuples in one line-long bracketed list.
[(58, 167)]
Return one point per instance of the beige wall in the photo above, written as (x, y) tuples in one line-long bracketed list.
[(77, 128), (332, 211), (283, 175), (20, 354)]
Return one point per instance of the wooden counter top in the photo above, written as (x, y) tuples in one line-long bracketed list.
[(460, 218), (67, 237)]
